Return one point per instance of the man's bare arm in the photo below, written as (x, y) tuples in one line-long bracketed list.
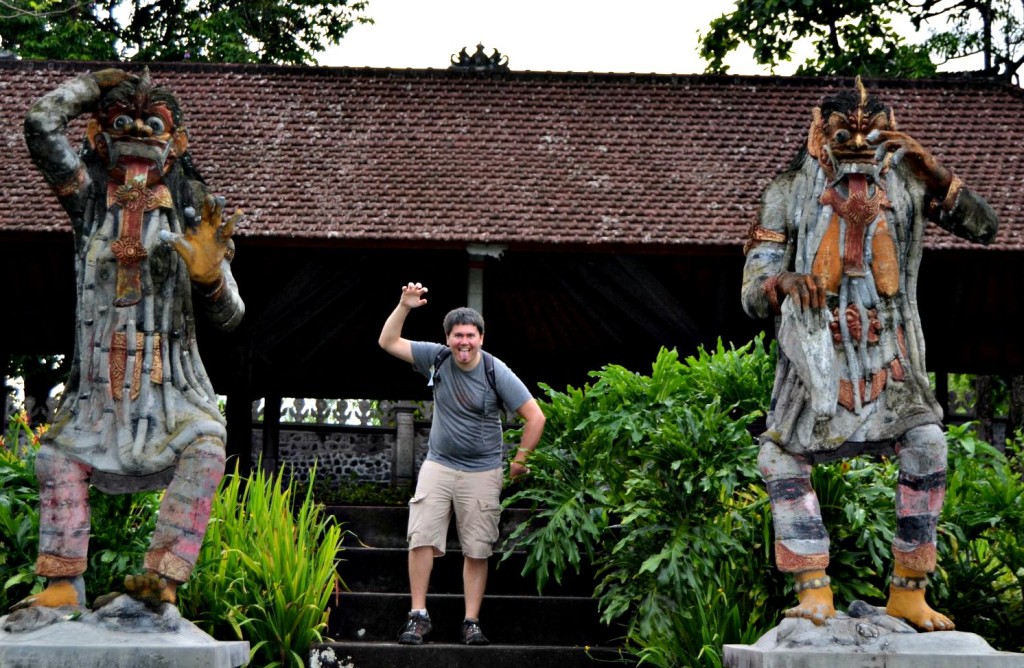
[(533, 427), (391, 338)]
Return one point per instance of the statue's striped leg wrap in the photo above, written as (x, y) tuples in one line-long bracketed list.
[(801, 541), (63, 514), (185, 510), (920, 492)]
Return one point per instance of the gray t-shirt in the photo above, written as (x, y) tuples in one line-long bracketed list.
[(465, 433)]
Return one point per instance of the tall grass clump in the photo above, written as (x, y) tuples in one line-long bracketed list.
[(266, 570)]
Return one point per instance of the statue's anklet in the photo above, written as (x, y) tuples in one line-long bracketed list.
[(813, 583), (908, 583)]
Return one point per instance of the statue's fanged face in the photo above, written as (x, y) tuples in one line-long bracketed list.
[(138, 127)]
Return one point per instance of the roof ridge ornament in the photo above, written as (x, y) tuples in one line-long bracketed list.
[(479, 61)]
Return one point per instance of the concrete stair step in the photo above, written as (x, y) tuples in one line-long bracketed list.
[(560, 629), (511, 620), (438, 655), (385, 569)]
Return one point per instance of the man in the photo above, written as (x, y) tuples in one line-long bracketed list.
[(835, 254), (138, 411), (463, 468)]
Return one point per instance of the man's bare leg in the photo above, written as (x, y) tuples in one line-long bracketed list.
[(421, 563), (474, 582)]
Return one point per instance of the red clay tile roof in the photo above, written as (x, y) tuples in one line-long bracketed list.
[(652, 163)]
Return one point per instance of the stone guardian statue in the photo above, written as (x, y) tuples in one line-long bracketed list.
[(152, 248), (834, 256)]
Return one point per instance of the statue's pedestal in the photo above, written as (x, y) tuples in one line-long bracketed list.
[(852, 643), (88, 643)]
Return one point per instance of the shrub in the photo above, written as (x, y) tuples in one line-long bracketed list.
[(354, 492), (980, 582), (119, 535), (122, 525), (19, 513), (654, 481)]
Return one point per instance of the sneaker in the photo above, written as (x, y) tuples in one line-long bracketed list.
[(415, 628), (471, 633)]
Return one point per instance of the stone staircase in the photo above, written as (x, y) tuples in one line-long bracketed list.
[(559, 629)]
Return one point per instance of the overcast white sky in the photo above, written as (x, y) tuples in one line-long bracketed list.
[(558, 35), (640, 36)]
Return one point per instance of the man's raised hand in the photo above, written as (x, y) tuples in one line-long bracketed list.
[(412, 295)]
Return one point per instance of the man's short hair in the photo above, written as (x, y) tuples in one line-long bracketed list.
[(463, 316)]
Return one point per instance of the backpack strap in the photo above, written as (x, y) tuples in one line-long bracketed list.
[(491, 380), (442, 355)]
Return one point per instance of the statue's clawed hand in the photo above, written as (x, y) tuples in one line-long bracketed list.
[(905, 149), (807, 290), (111, 76), (203, 248)]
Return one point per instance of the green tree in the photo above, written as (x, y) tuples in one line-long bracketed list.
[(993, 29), (849, 36), (238, 31)]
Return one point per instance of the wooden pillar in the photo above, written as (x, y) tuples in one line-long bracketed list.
[(942, 391), (403, 456), (239, 416), (271, 433), (1016, 416), (478, 254), (5, 365), (984, 410), (475, 284)]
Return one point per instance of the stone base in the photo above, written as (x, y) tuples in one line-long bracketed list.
[(84, 644), (851, 643)]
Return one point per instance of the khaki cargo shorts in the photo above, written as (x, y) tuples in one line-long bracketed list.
[(475, 498)]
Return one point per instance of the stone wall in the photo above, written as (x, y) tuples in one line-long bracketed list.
[(340, 454)]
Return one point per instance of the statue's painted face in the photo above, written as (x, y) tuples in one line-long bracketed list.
[(152, 124), (137, 128), (846, 134)]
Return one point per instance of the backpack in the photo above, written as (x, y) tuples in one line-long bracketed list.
[(445, 353)]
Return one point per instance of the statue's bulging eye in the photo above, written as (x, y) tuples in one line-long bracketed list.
[(122, 122), (841, 136), (156, 124)]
